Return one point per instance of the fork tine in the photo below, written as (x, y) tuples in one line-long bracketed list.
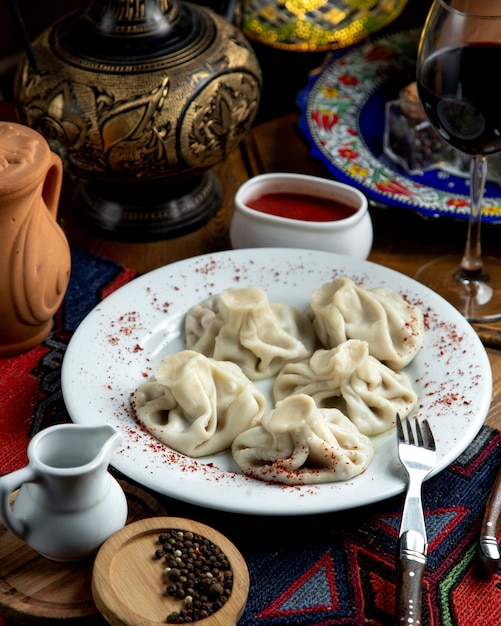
[(419, 435), (423, 438), (400, 430), (429, 435), (410, 433)]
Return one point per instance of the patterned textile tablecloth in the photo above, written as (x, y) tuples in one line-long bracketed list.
[(318, 570)]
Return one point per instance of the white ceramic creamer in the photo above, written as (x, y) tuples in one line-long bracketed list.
[(68, 503)]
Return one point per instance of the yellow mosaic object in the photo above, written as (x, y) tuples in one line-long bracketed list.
[(316, 25)]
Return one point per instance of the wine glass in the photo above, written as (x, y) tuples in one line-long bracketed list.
[(458, 75)]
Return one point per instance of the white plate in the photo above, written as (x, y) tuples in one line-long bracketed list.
[(121, 341)]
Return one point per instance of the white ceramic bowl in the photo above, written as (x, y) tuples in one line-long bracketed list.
[(251, 228)]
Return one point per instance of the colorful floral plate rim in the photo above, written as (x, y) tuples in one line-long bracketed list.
[(342, 116)]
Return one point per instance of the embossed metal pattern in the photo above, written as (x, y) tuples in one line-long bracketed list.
[(173, 111)]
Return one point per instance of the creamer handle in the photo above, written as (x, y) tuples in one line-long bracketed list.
[(8, 484)]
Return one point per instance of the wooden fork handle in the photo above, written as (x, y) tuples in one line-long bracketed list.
[(411, 565)]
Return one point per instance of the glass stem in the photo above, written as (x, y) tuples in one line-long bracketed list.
[(472, 269)]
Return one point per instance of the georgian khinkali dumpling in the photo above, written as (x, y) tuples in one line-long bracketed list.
[(242, 326), (298, 443), (393, 328), (197, 405), (349, 378)]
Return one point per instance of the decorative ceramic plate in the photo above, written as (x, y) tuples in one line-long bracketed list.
[(120, 343), (315, 25), (343, 117)]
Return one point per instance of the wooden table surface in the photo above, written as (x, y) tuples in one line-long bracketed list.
[(403, 240)]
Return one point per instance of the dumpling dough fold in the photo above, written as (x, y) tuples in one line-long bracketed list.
[(298, 443), (197, 405), (393, 328), (242, 326), (349, 378)]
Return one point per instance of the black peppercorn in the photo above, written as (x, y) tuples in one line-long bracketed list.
[(197, 572), (215, 591)]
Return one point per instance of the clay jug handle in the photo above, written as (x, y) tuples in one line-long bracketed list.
[(52, 185), (8, 484)]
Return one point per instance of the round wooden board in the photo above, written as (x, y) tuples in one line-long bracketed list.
[(127, 581), (34, 589)]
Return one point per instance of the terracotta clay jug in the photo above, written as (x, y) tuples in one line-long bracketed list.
[(34, 253)]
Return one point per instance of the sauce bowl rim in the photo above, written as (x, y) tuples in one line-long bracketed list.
[(360, 211)]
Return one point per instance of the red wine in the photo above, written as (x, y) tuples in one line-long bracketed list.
[(459, 88)]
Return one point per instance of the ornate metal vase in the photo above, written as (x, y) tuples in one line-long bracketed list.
[(140, 98)]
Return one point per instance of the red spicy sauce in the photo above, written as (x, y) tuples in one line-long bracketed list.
[(298, 206)]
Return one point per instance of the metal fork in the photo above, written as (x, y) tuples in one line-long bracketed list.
[(417, 454)]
